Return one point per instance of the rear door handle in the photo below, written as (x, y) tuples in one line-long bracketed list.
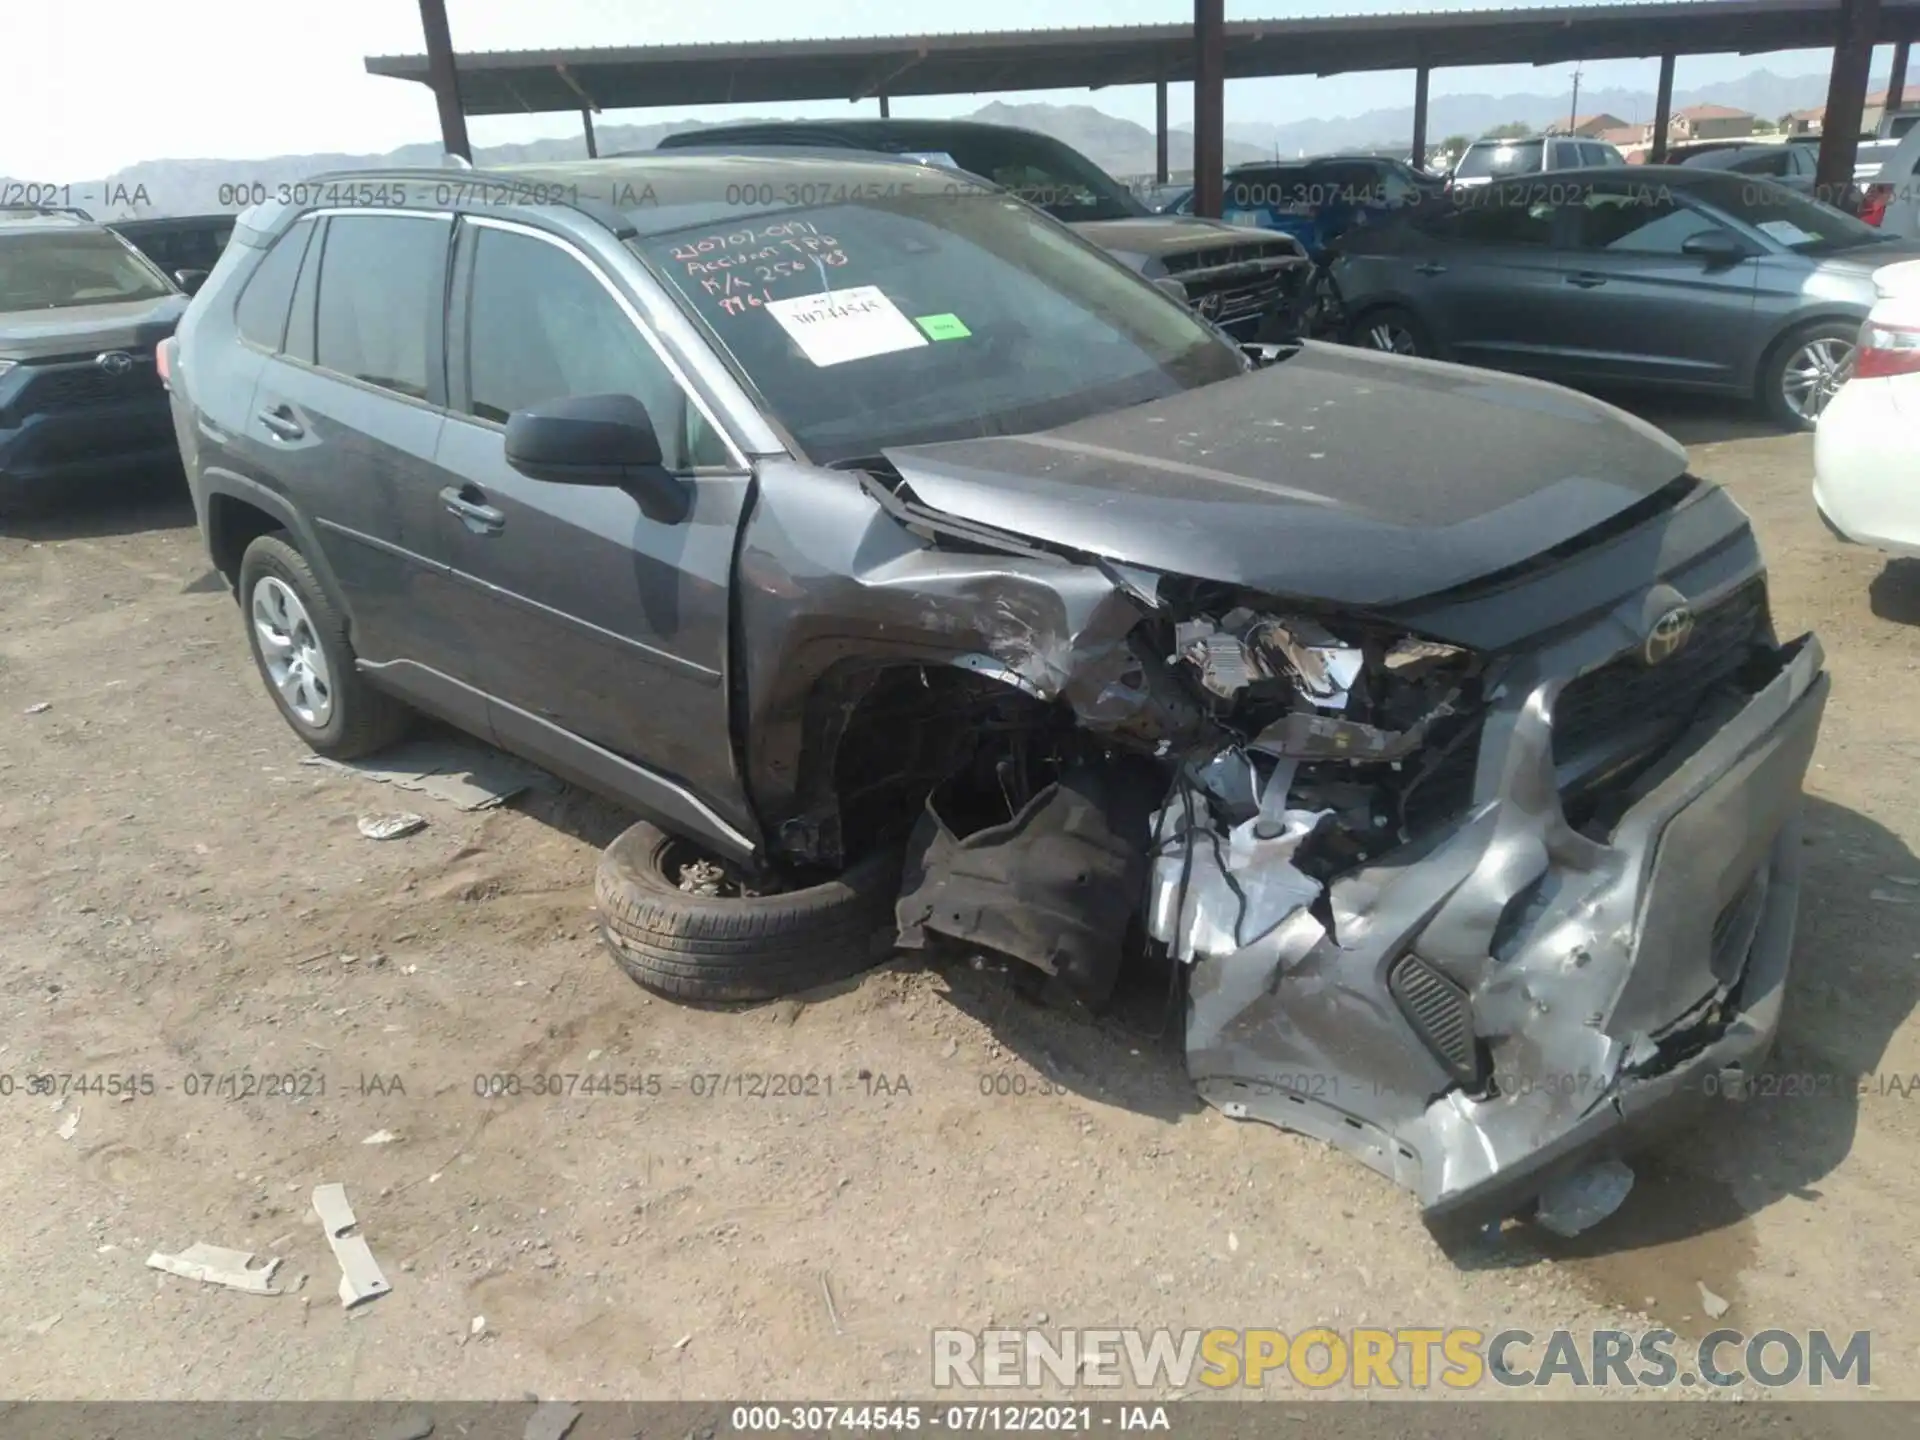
[(1586, 279), (1430, 268), (474, 513), (280, 420)]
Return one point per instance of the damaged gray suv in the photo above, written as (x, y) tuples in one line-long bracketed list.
[(927, 577)]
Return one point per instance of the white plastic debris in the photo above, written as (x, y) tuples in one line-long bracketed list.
[(70, 1125), (218, 1265), (1582, 1199), (360, 1277), (477, 1326), (380, 1137), (391, 827), (40, 707), (1714, 1305)]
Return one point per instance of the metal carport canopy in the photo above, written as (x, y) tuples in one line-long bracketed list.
[(631, 77)]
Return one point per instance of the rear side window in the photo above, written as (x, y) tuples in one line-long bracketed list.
[(1504, 157), (261, 313), (381, 299)]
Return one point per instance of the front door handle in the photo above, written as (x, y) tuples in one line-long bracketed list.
[(1586, 279), (1430, 268), (473, 512), (281, 421)]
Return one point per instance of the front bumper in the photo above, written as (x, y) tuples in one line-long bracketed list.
[(50, 448), (1614, 983), (1866, 485)]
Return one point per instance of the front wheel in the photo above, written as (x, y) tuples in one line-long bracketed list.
[(1392, 331), (1805, 371)]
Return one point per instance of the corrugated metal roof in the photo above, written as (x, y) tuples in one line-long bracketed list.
[(962, 62)]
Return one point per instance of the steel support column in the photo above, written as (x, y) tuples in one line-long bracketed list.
[(1897, 82), (1209, 106), (1846, 96), (586, 124), (1159, 132), (1420, 79), (885, 113), (1662, 112), (445, 79)]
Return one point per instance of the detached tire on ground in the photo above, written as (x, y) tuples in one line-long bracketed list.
[(692, 946)]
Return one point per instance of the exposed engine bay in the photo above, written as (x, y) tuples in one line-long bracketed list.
[(1469, 888)]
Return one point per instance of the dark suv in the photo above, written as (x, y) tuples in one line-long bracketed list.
[(1240, 278), (920, 572), (80, 314)]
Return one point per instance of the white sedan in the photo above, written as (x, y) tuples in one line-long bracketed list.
[(1866, 450)]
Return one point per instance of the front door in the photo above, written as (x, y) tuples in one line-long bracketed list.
[(595, 620)]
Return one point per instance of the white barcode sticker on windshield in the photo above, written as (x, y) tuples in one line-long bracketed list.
[(836, 326)]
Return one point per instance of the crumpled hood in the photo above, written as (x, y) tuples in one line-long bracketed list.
[(1338, 475), (84, 329)]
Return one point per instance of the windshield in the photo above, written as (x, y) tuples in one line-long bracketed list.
[(49, 270), (1794, 220), (1504, 157), (913, 318), (1037, 168)]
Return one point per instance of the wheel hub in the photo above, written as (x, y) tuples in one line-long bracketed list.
[(291, 652)]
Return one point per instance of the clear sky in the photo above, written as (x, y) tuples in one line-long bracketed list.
[(94, 85)]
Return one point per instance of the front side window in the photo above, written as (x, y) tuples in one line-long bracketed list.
[(380, 302), (56, 270), (1642, 218), (913, 318), (1498, 215), (541, 326)]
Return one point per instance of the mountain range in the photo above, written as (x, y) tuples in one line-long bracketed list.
[(1121, 147)]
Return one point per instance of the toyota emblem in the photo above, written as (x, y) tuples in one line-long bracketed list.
[(114, 362), (1668, 635), (1208, 305)]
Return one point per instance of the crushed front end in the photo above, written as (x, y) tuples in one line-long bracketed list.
[(1475, 887)]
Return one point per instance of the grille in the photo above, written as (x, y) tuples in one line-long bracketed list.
[(1228, 283), (1440, 1014), (72, 387), (1624, 693)]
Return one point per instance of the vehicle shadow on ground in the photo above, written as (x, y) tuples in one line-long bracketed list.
[(1852, 985), (1130, 1054), (1695, 419), (1895, 592), (97, 510)]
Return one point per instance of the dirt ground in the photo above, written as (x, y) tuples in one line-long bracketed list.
[(180, 898)]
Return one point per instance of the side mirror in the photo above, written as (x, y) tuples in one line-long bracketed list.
[(1716, 247), (1167, 285), (190, 280), (596, 440)]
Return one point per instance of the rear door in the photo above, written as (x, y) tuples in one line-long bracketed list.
[(1634, 307), (1481, 273), (593, 618), (350, 413)]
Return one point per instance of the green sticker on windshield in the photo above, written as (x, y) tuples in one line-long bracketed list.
[(942, 327)]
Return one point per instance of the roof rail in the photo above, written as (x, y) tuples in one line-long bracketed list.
[(12, 208)]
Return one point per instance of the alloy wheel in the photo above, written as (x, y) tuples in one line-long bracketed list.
[(291, 651), (1814, 374), (1392, 338)]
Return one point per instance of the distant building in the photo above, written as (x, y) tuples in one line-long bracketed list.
[(1710, 122), (1623, 136), (1591, 127), (1808, 122)]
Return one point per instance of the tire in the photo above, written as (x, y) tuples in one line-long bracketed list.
[(752, 947), (1367, 331), (357, 718), (1837, 338)]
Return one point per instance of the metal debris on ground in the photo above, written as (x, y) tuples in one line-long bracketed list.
[(219, 1265), (391, 827), (40, 708), (552, 1420), (360, 1277), (1581, 1200), (468, 777)]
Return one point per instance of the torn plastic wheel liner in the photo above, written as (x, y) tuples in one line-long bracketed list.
[(1057, 885)]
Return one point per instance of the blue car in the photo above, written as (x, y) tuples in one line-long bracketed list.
[(1317, 201)]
